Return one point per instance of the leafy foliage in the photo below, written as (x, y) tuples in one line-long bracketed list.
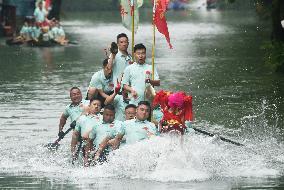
[(274, 55)]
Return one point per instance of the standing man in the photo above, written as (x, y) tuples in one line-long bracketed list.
[(40, 13), (73, 110), (121, 59), (101, 85), (138, 74)]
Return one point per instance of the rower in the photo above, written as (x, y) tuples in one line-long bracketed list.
[(59, 33), (138, 74), (73, 110), (137, 129), (101, 85), (24, 32), (129, 113), (120, 101), (101, 133), (85, 125)]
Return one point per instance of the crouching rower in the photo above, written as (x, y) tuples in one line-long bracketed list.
[(101, 85), (84, 126), (101, 133), (133, 130)]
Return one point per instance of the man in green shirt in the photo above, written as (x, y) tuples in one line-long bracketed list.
[(101, 131), (85, 125), (73, 110), (138, 75), (133, 130), (101, 85), (121, 59)]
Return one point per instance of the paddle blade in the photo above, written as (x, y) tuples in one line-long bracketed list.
[(52, 146)]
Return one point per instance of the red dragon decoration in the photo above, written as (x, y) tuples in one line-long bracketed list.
[(176, 108)]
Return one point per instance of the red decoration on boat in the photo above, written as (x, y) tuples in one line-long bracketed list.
[(176, 108), (118, 87)]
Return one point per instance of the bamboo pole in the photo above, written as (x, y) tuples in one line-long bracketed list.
[(154, 41), (153, 50), (133, 10)]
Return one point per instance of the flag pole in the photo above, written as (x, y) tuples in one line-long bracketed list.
[(154, 41), (153, 48), (132, 10)]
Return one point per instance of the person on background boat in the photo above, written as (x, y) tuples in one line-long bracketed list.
[(137, 129), (40, 14), (73, 110), (100, 133), (45, 36), (121, 59), (137, 75), (24, 32), (59, 33), (101, 85), (84, 126), (35, 31)]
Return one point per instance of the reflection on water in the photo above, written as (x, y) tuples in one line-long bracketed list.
[(216, 56)]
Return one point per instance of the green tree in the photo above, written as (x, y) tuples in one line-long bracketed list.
[(274, 50)]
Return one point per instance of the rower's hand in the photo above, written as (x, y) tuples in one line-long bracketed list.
[(134, 94), (114, 143), (73, 125), (61, 134), (147, 80), (113, 48)]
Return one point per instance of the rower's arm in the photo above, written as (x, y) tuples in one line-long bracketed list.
[(130, 89), (92, 92), (88, 148), (116, 142), (110, 98), (62, 122), (111, 60), (74, 142), (102, 93), (101, 148), (127, 88)]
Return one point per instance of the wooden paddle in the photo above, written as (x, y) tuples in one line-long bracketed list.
[(55, 145), (222, 138)]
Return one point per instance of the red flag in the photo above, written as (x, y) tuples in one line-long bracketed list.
[(47, 4), (160, 19)]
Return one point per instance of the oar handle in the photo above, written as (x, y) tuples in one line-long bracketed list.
[(61, 137), (230, 141), (222, 138)]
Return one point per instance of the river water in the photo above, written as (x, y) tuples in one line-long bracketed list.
[(216, 57)]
